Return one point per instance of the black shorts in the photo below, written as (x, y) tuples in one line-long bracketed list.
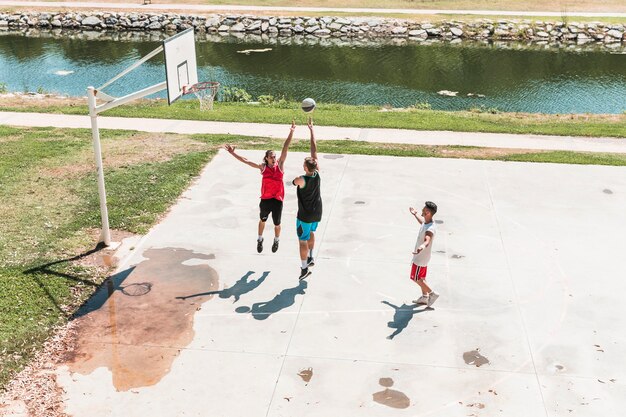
[(271, 205)]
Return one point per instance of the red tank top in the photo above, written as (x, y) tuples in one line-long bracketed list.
[(272, 185)]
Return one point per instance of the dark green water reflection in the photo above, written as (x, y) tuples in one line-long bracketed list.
[(513, 78)]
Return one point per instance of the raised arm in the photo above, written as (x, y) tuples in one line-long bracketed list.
[(419, 218), (313, 143), (231, 150), (283, 153)]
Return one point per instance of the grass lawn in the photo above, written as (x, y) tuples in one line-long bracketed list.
[(50, 212), (353, 116)]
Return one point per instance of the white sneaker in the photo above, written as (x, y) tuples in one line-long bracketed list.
[(432, 297), (422, 300)]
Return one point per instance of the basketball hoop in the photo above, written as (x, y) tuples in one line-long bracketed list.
[(205, 92)]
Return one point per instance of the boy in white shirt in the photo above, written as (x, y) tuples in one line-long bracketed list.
[(421, 254)]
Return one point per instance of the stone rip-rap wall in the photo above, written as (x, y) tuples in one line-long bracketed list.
[(611, 35)]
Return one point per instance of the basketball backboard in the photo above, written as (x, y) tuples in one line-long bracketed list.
[(180, 63)]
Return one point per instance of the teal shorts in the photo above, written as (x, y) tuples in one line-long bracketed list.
[(304, 229)]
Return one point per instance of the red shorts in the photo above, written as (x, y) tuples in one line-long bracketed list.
[(418, 272)]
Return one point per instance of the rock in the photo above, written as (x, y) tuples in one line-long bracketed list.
[(399, 30), (256, 25), (543, 34), (55, 23), (614, 33), (335, 26), (272, 21), (419, 33), (456, 31), (223, 28), (298, 29), (343, 21), (322, 32), (264, 26), (91, 21), (212, 22), (237, 27), (155, 26), (311, 22), (312, 29)]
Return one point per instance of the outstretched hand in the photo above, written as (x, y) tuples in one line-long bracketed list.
[(293, 125), (229, 148), (310, 123), (413, 211)]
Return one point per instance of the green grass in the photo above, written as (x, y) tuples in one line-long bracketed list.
[(46, 220), (367, 116), (50, 211)]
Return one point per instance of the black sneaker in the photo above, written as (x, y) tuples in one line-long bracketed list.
[(310, 261), (304, 272), (275, 246), (259, 245)]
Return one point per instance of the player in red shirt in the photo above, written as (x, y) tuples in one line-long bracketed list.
[(272, 187)]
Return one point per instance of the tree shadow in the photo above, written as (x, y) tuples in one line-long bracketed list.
[(241, 287), (48, 270), (284, 299), (402, 316)]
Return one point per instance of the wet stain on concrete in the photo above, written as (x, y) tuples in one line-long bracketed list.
[(332, 156), (473, 357), (306, 374), (359, 202), (134, 325), (457, 256), (439, 221), (389, 397), (607, 191)]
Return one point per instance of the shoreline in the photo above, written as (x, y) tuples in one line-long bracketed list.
[(560, 33)]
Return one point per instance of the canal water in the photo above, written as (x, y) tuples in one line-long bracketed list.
[(503, 76)]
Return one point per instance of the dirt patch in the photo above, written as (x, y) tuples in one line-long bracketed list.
[(137, 148), (35, 389), (480, 153), (18, 100)]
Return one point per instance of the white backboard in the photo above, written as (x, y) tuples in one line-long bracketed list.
[(180, 63)]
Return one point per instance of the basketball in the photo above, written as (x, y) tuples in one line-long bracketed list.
[(308, 104)]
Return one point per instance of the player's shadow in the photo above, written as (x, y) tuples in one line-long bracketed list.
[(402, 316), (241, 287), (284, 299)]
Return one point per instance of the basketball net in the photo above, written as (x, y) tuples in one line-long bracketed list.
[(205, 92)]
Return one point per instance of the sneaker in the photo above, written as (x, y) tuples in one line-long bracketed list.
[(310, 261), (432, 298), (422, 300), (275, 246), (304, 272), (259, 245)]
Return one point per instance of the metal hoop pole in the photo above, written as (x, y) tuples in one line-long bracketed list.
[(105, 234)]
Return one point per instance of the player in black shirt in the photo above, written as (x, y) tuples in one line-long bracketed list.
[(309, 206)]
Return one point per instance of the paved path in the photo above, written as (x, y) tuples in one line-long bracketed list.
[(221, 8), (415, 137)]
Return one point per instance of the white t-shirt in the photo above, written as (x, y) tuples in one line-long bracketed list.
[(422, 258)]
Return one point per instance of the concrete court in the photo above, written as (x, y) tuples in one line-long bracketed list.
[(528, 260)]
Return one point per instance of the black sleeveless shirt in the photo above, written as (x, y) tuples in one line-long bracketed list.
[(310, 199)]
